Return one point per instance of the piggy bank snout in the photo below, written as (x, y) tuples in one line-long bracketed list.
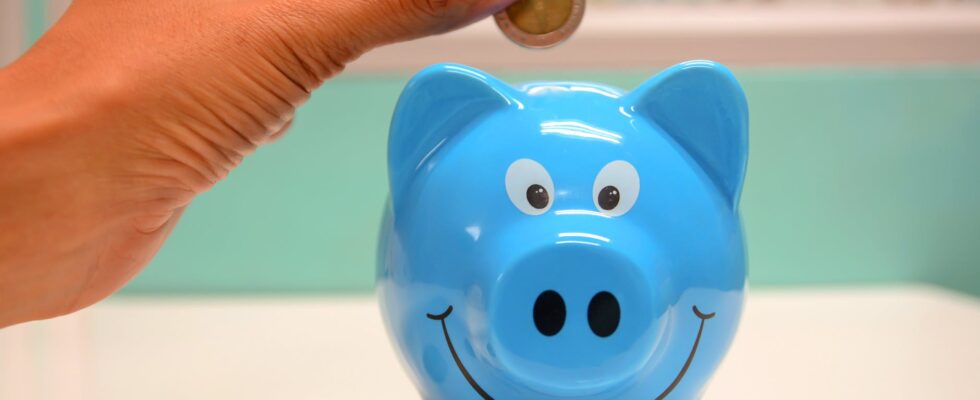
[(550, 313), (573, 318)]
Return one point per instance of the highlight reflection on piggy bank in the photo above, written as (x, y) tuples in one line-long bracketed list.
[(564, 240)]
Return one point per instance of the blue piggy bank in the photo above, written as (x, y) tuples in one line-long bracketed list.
[(564, 240)]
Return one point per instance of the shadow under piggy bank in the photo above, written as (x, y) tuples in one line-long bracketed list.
[(564, 240)]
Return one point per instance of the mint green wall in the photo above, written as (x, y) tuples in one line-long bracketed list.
[(37, 20), (855, 176)]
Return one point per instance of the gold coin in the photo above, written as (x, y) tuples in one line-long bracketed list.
[(540, 23)]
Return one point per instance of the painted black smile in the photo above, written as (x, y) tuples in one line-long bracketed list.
[(483, 393)]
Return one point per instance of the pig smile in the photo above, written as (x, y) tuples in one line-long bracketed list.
[(483, 393)]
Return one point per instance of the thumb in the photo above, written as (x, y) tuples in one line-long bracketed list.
[(428, 17), (352, 27)]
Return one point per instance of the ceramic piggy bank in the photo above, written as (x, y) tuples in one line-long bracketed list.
[(564, 240)]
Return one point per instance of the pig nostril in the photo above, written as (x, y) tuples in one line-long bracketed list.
[(549, 313), (604, 314)]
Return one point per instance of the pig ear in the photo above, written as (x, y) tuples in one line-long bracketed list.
[(702, 107), (437, 104)]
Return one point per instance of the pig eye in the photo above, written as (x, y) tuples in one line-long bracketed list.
[(615, 189), (529, 186)]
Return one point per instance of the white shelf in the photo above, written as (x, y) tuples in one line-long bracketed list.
[(910, 342), (648, 35)]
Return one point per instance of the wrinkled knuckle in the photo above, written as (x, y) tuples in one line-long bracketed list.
[(277, 41)]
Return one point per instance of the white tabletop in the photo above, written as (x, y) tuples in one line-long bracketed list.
[(911, 342)]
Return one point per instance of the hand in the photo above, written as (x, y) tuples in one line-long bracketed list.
[(127, 109)]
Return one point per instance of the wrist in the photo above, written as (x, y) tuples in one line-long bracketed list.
[(44, 183)]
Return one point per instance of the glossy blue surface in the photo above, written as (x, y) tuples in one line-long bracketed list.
[(564, 240)]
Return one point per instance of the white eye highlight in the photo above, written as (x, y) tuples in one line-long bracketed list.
[(616, 188), (529, 187)]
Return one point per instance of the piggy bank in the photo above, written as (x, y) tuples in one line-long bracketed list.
[(564, 240)]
